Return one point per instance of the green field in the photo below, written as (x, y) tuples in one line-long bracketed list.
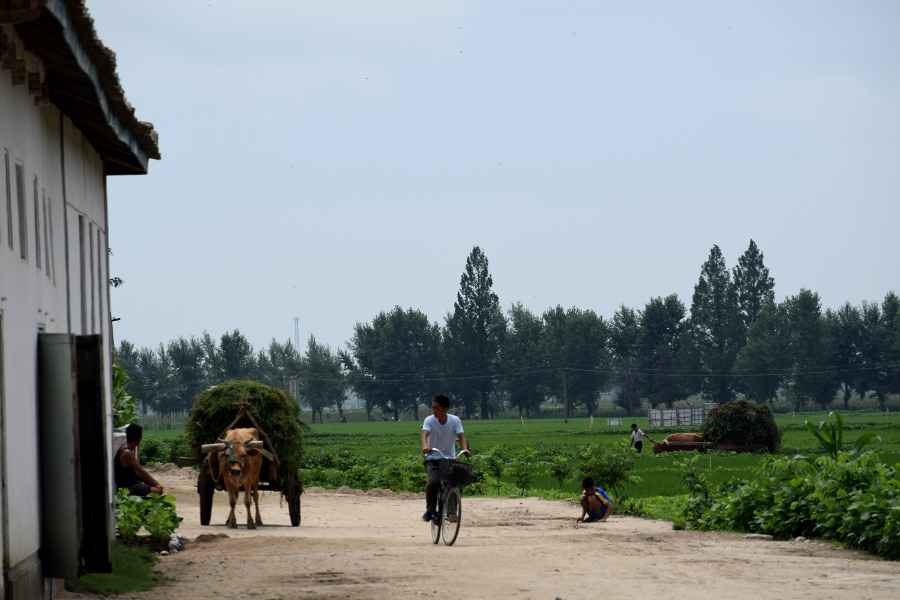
[(659, 475)]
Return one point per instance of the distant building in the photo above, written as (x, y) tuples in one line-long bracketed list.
[(65, 126)]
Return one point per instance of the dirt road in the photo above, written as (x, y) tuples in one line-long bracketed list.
[(354, 545)]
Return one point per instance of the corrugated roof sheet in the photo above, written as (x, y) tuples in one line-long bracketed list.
[(81, 80)]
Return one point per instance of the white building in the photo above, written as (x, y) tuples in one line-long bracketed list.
[(65, 125)]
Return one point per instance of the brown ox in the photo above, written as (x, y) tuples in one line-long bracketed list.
[(676, 441), (239, 464)]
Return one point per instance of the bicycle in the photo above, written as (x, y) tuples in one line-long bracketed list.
[(454, 475)]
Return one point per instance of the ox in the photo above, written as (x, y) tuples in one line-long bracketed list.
[(240, 461), (676, 441)]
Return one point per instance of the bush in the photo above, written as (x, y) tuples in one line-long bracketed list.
[(609, 469), (154, 512), (852, 500), (846, 497), (153, 451), (521, 469), (494, 462), (559, 467), (742, 422), (397, 474)]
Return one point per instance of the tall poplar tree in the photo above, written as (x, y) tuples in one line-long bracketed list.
[(753, 286), (473, 335), (713, 330)]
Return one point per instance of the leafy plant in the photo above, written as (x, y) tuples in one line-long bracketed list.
[(559, 467), (831, 435), (521, 469), (494, 462), (154, 512), (696, 482), (852, 499), (608, 468), (124, 402), (128, 514)]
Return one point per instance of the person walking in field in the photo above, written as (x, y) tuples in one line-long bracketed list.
[(637, 437), (440, 430)]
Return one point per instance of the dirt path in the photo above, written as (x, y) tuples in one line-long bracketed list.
[(354, 545)]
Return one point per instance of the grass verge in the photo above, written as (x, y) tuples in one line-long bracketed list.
[(132, 571)]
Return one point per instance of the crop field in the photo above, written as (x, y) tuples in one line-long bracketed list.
[(655, 475), (659, 475)]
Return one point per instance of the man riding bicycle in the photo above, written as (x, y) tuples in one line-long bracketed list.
[(440, 431)]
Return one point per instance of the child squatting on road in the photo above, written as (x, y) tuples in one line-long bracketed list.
[(594, 503)]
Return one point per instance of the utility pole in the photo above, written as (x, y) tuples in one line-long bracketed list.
[(565, 398), (297, 333)]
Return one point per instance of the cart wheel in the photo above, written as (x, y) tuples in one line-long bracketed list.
[(205, 487), (293, 497)]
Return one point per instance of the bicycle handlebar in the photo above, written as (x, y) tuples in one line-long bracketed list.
[(438, 450)]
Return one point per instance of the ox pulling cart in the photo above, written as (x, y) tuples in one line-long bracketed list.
[(271, 475), (279, 440), (704, 446)]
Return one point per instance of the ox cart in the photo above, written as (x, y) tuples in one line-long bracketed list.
[(744, 447), (276, 474), (726, 446)]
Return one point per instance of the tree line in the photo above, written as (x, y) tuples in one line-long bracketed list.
[(736, 341)]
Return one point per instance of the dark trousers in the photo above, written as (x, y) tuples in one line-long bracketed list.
[(638, 446), (432, 470)]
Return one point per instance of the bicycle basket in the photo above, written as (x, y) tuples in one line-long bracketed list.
[(454, 472)]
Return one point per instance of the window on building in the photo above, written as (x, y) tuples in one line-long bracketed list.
[(49, 215), (9, 225), (37, 226), (82, 259), (102, 283), (90, 258), (23, 215), (46, 204)]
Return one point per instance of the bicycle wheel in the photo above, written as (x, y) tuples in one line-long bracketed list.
[(451, 516), (435, 522)]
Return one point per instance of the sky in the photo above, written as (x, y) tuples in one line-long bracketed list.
[(329, 160)]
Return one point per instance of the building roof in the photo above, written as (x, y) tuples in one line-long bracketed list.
[(79, 78)]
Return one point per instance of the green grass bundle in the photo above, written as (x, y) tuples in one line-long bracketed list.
[(742, 422)]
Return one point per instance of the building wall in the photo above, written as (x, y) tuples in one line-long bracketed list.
[(53, 278)]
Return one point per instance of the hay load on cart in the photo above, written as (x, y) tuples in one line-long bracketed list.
[(244, 404), (742, 426)]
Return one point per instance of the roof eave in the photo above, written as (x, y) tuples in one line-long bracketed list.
[(83, 84)]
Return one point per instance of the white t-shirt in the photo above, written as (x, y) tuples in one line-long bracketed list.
[(443, 436), (637, 436)]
